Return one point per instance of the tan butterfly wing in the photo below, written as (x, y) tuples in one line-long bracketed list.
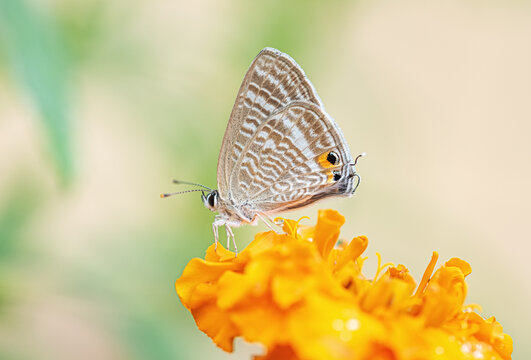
[(284, 164), (273, 81)]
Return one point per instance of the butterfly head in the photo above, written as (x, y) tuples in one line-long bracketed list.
[(211, 200), (349, 178)]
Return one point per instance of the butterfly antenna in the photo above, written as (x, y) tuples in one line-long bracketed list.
[(190, 183), (162, 196), (357, 157)]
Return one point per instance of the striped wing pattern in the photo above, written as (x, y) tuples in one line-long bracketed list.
[(273, 81), (281, 167)]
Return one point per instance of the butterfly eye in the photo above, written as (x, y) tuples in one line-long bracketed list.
[(332, 158), (211, 198), (337, 175)]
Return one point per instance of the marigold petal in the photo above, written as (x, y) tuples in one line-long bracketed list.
[(380, 351), (504, 347), (444, 295), (427, 273), (351, 278), (401, 272), (259, 321), (232, 289), (338, 329), (490, 331), (287, 290), (306, 232), (220, 254), (199, 271), (352, 251), (327, 230), (263, 242), (279, 352), (386, 293), (203, 293), (461, 264), (216, 324)]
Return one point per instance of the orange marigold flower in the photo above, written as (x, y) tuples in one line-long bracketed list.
[(303, 296)]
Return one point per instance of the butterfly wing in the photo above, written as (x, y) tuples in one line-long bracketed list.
[(273, 81), (285, 163)]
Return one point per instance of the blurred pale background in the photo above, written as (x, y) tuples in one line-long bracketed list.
[(103, 102)]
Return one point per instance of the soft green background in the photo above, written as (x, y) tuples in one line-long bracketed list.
[(103, 102)]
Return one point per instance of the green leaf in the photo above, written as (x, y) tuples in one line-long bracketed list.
[(38, 61)]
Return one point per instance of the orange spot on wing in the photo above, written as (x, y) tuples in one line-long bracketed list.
[(322, 160)]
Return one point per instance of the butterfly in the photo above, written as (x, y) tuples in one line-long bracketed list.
[(281, 150)]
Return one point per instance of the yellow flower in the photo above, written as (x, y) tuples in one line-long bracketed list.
[(303, 296)]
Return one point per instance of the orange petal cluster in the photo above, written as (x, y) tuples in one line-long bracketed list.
[(303, 296)]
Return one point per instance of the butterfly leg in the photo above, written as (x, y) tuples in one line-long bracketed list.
[(263, 217), (230, 235), (216, 234)]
